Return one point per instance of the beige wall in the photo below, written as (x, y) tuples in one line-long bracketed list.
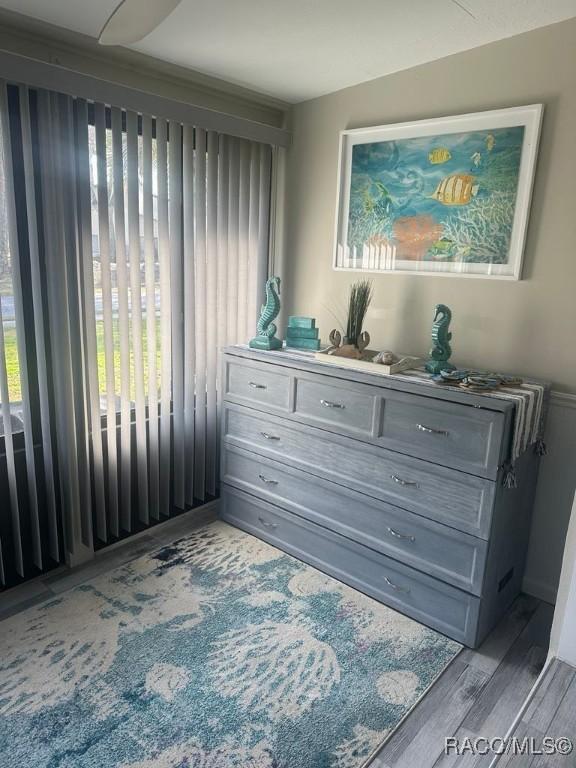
[(528, 327)]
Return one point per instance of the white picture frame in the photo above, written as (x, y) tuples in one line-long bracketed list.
[(449, 218)]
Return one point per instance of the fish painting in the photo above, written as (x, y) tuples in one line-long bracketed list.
[(439, 155), (457, 189), (448, 198)]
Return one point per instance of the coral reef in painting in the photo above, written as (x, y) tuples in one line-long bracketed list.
[(449, 198)]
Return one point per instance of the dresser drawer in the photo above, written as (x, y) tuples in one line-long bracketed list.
[(435, 549), (454, 498), (267, 386), (352, 409), (459, 436), (432, 602)]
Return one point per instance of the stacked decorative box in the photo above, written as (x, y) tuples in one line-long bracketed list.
[(302, 333)]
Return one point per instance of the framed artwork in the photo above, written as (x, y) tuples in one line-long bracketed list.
[(448, 196)]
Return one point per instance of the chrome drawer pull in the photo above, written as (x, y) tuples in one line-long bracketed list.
[(400, 481), (267, 480), (330, 404), (266, 524), (269, 437), (432, 430), (255, 385), (395, 587), (397, 535)]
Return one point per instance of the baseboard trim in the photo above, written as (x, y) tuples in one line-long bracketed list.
[(206, 512), (539, 589)]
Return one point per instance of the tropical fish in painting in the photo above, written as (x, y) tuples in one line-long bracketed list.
[(439, 155), (456, 189), (376, 195), (443, 248), (490, 141)]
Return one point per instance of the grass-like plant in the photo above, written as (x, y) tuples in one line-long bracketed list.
[(358, 303)]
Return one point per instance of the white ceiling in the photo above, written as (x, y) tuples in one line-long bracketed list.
[(298, 49)]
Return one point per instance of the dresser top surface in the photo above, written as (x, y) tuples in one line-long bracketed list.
[(306, 361)]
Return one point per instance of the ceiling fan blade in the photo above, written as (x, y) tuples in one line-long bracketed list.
[(133, 20)]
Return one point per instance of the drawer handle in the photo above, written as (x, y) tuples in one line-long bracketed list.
[(395, 587), (402, 536), (330, 404), (255, 385), (269, 437), (267, 480), (266, 524), (432, 430), (400, 481)]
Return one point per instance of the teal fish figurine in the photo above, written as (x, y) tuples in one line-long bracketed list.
[(266, 338), (441, 350)]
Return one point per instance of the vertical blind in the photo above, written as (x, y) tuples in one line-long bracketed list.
[(146, 245)]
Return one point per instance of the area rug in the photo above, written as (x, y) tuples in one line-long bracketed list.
[(218, 651)]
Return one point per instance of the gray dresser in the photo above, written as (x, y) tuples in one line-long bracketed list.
[(393, 487)]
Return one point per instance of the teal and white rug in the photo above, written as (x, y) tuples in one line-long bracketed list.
[(216, 652)]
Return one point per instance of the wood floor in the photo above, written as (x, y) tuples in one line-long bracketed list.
[(551, 712), (479, 694)]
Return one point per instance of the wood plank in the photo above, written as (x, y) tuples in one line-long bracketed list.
[(523, 731), (508, 688), (490, 654), (548, 696), (459, 760), (420, 739), (563, 726)]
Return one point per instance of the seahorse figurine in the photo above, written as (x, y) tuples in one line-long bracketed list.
[(441, 350), (266, 338)]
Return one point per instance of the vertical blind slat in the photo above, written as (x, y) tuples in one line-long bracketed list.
[(9, 448), (200, 306), (222, 290), (21, 343), (189, 313), (253, 233), (77, 425), (211, 310), (59, 251), (243, 228), (87, 287), (176, 297), (39, 328), (263, 219), (165, 314), (151, 344), (119, 240), (233, 193), (103, 194), (4, 390), (136, 305)]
